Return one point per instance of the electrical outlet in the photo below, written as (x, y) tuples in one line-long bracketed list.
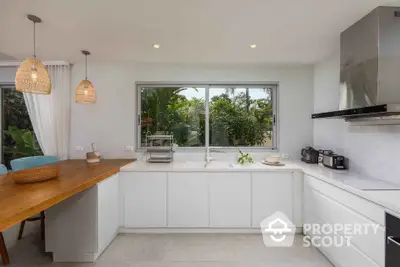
[(79, 148), (129, 148), (285, 156)]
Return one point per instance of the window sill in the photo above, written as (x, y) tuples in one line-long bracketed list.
[(218, 149)]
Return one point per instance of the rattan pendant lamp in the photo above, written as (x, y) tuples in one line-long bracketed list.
[(85, 92), (32, 76)]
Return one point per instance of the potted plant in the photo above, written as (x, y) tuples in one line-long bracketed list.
[(244, 158)]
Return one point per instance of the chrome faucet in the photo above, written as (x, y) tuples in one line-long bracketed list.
[(207, 157)]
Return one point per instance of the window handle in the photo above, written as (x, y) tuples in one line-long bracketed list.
[(139, 120)]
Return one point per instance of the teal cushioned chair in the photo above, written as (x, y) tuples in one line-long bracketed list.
[(26, 163), (3, 169), (3, 248), (31, 162)]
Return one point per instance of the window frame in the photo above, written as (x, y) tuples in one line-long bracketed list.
[(207, 85)]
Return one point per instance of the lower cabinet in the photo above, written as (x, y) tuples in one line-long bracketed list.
[(230, 200), (188, 201), (206, 199), (79, 228), (271, 192), (107, 211), (326, 205), (145, 199)]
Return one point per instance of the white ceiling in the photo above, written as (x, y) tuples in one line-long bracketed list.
[(189, 31)]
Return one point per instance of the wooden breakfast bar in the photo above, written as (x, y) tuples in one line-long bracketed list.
[(81, 207)]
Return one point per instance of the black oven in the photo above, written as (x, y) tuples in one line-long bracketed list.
[(392, 254)]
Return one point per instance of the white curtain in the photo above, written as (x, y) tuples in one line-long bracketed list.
[(50, 114)]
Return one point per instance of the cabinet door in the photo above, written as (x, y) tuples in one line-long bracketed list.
[(108, 219), (309, 216), (145, 199), (188, 204), (272, 192), (230, 199)]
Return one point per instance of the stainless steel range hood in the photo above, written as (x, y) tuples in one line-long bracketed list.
[(370, 67)]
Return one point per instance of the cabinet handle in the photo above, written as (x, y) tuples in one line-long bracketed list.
[(391, 239)]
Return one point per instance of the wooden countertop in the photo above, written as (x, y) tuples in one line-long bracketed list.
[(21, 201)]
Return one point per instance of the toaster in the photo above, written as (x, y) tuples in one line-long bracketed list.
[(334, 161)]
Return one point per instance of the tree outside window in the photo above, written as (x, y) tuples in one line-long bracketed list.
[(18, 137), (239, 116)]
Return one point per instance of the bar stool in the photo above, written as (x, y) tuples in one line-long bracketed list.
[(26, 163), (3, 249)]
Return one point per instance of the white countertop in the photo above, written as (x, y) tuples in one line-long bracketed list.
[(213, 166), (389, 199)]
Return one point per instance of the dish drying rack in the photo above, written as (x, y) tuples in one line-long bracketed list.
[(159, 148)]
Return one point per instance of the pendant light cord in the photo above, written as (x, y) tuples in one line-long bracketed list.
[(34, 39), (86, 67)]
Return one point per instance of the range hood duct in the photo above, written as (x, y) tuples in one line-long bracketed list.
[(370, 67)]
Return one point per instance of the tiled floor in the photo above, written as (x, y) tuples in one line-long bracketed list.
[(181, 250)]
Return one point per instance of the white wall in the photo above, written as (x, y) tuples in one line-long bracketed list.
[(7, 74), (372, 150), (111, 122)]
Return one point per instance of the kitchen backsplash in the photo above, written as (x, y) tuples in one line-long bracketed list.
[(372, 150)]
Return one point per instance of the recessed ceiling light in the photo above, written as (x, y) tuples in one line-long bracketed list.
[(253, 46), (156, 46)]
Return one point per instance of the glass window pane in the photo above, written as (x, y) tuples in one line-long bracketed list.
[(241, 117), (174, 110), (18, 137)]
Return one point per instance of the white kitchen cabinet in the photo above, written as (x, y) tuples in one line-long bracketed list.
[(271, 192), (107, 211), (325, 204), (188, 199), (79, 228), (145, 199), (230, 200), (207, 199)]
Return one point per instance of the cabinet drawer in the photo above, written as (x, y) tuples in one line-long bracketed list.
[(368, 209), (345, 256), (370, 243)]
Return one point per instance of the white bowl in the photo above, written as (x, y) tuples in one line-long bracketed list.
[(273, 159)]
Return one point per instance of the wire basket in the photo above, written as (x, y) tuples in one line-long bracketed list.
[(159, 148), (37, 174)]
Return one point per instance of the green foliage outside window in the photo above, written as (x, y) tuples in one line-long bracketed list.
[(236, 118), (19, 139)]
